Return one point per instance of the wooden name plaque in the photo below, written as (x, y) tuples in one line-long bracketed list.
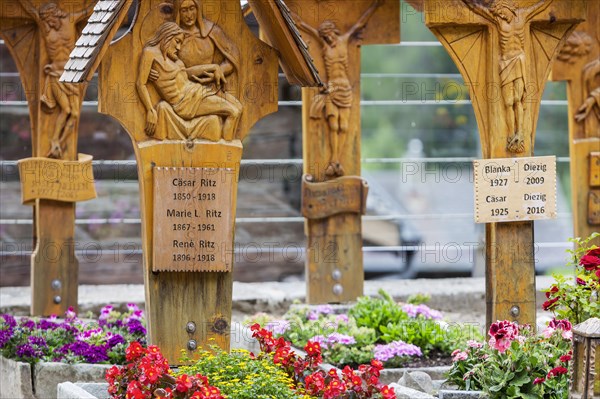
[(193, 222), (515, 189), (347, 194)]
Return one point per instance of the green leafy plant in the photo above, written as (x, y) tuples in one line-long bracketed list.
[(577, 299), (516, 363), (374, 328)]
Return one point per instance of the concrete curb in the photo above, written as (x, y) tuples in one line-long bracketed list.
[(69, 390)]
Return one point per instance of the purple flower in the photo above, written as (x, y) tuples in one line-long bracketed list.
[(132, 307), (136, 327), (278, 327), (28, 351), (384, 353), (337, 338), (9, 320), (421, 309), (37, 341), (27, 323), (114, 340), (46, 324), (314, 314), (341, 318), (320, 339), (5, 336), (90, 353)]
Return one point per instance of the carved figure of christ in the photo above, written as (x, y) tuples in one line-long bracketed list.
[(59, 33), (161, 66), (336, 98), (512, 23)]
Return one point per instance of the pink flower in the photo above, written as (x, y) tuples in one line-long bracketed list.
[(459, 355), (580, 281), (502, 333), (564, 325), (548, 331), (474, 344), (539, 380)]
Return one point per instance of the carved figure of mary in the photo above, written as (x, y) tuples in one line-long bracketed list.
[(205, 43)]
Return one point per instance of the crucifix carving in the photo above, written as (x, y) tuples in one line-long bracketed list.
[(504, 50), (579, 63), (195, 82), (40, 35), (334, 31)]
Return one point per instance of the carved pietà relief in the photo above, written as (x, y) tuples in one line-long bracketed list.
[(192, 66), (335, 100), (59, 32), (512, 23)]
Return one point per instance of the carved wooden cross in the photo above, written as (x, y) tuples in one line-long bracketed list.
[(504, 49), (40, 35), (579, 63), (334, 31), (187, 83)]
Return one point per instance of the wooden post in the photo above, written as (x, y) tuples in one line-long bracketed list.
[(195, 79), (40, 35), (334, 31), (504, 50), (579, 64)]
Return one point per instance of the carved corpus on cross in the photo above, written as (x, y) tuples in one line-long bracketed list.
[(334, 195), (40, 35), (187, 83), (579, 63), (504, 49)]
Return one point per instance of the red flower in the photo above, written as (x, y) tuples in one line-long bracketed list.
[(580, 281), (591, 260), (184, 383), (556, 371), (565, 358), (134, 351), (312, 348), (553, 290), (539, 380), (387, 392), (550, 304)]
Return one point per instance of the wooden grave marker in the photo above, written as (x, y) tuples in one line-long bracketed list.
[(333, 193), (40, 35), (504, 50), (579, 63), (187, 83)]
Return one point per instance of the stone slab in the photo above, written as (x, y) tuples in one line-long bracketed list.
[(449, 394), (408, 393), (47, 376), (389, 376), (69, 390), (15, 379)]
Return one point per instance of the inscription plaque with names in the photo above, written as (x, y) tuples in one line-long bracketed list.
[(515, 189), (193, 219)]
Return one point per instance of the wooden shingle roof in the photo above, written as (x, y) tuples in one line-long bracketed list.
[(276, 22), (94, 40)]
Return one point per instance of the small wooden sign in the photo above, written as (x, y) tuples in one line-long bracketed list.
[(346, 194), (595, 169), (193, 226), (56, 179), (594, 207), (515, 189)]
